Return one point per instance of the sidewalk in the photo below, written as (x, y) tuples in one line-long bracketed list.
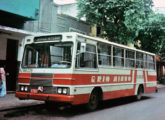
[(10, 102), (160, 86)]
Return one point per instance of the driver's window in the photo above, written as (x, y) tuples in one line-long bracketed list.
[(56, 54), (86, 59)]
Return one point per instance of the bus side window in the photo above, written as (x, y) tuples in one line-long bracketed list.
[(86, 59), (118, 56), (145, 60), (150, 62), (104, 54), (139, 60), (130, 59)]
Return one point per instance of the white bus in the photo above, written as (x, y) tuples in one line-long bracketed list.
[(78, 69)]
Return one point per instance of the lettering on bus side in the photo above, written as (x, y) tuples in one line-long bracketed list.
[(100, 79), (106, 79), (122, 78)]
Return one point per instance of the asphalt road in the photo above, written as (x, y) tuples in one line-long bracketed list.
[(151, 107)]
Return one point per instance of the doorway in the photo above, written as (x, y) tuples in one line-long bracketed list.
[(11, 64)]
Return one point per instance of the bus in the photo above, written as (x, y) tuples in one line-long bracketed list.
[(78, 69)]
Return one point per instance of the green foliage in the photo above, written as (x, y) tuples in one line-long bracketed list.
[(120, 19), (152, 35), (126, 21)]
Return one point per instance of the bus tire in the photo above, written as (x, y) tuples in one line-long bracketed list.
[(139, 93), (93, 101)]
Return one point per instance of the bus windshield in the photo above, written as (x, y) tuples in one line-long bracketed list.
[(48, 55)]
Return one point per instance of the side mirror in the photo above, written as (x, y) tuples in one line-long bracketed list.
[(83, 48)]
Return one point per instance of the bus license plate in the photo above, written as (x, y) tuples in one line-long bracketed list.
[(34, 90)]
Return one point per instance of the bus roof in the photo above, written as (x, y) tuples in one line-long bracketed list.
[(95, 39), (113, 43)]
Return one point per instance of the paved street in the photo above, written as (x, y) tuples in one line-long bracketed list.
[(151, 107)]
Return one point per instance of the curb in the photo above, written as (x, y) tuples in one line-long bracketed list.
[(21, 107)]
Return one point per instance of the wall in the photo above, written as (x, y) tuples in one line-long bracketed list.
[(70, 10), (25, 8), (51, 20), (3, 46), (70, 24)]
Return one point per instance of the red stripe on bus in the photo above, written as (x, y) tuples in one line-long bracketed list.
[(44, 97), (151, 77), (81, 99), (135, 78), (150, 89), (118, 94), (24, 75), (23, 80), (144, 77), (89, 79)]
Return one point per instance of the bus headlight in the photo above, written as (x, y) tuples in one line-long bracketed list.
[(63, 90), (22, 88), (26, 88), (59, 90)]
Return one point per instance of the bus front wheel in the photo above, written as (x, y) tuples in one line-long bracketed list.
[(93, 101)]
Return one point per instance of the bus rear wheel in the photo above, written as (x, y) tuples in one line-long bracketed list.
[(93, 101), (139, 93)]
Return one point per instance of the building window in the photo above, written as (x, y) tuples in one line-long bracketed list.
[(98, 31), (76, 30)]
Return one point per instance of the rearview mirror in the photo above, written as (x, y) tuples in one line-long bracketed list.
[(83, 48)]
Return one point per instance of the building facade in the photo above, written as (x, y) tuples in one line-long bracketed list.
[(57, 18), (13, 14), (160, 10)]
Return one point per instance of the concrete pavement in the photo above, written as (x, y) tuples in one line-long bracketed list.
[(11, 102)]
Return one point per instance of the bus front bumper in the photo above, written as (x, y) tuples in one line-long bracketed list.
[(45, 97)]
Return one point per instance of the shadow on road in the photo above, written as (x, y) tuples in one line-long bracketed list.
[(65, 111)]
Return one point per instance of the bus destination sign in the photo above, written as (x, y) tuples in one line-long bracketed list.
[(48, 38)]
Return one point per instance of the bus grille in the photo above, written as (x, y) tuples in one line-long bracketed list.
[(41, 82)]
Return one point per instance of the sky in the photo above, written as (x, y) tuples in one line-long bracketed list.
[(159, 3), (64, 1)]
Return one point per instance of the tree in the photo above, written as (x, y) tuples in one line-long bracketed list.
[(120, 19), (152, 35)]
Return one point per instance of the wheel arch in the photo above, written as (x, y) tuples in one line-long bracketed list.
[(139, 86), (99, 91)]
